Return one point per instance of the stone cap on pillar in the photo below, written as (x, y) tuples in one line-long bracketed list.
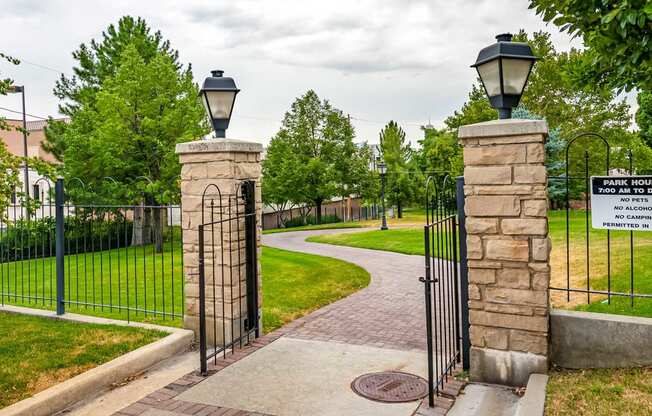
[(500, 128), (218, 146)]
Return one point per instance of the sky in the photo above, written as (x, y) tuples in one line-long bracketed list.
[(376, 60)]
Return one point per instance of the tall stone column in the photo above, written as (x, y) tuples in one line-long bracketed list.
[(508, 249), (225, 164)]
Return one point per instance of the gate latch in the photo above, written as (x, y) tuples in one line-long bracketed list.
[(424, 280)]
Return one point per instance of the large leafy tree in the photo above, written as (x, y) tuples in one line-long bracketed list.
[(644, 116), (129, 105), (617, 35), (312, 158), (97, 61), (397, 154)]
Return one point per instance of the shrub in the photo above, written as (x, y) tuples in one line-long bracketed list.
[(311, 220)]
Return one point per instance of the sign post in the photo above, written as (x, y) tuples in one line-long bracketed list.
[(621, 202)]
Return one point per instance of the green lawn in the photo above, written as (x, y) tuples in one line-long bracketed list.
[(399, 240), (600, 392), (135, 277), (36, 353), (332, 226), (295, 284), (410, 241)]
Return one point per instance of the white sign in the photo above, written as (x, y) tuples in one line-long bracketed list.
[(621, 202)]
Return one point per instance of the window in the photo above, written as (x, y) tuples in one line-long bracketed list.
[(37, 192)]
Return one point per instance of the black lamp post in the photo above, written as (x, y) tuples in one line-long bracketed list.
[(382, 169), (504, 68), (218, 95), (21, 89)]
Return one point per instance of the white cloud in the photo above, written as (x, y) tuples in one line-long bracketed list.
[(375, 59)]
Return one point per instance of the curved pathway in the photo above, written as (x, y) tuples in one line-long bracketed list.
[(389, 313)]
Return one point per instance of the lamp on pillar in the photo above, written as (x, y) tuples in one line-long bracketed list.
[(504, 68), (218, 96)]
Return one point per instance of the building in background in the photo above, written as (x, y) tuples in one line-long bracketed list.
[(13, 140)]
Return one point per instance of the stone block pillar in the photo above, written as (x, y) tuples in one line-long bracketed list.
[(508, 249), (225, 164)]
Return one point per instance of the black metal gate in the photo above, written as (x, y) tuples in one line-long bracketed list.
[(228, 250), (445, 282)]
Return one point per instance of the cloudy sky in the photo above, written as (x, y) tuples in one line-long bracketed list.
[(376, 60)]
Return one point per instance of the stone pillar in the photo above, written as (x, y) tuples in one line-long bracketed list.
[(508, 249), (224, 163)]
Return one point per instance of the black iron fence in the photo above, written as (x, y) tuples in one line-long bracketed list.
[(445, 283), (606, 270), (117, 261), (228, 264)]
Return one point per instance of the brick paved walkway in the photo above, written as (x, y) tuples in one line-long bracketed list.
[(389, 313)]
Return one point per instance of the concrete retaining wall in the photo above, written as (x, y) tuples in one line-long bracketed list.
[(596, 340)]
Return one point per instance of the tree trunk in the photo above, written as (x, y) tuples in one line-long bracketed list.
[(142, 228), (400, 209), (159, 223), (318, 213)]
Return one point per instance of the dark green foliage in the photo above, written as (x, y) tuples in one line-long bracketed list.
[(644, 116), (617, 35), (311, 220), (35, 238)]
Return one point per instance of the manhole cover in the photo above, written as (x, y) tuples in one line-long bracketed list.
[(390, 387)]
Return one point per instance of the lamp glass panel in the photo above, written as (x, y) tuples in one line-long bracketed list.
[(219, 103), (515, 72), (490, 74), (382, 168)]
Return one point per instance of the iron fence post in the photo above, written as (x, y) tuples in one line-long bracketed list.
[(251, 253), (464, 274), (59, 245), (202, 305)]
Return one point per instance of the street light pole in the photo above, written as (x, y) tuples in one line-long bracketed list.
[(383, 172), (21, 89)]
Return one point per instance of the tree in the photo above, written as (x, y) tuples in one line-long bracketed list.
[(644, 116), (130, 131), (9, 164), (397, 154), (617, 36), (441, 153), (312, 157), (96, 62)]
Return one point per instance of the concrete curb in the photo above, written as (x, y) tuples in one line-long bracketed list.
[(534, 401), (87, 384)]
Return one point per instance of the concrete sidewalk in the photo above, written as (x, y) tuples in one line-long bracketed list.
[(306, 367)]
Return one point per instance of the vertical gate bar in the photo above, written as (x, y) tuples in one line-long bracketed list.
[(126, 265), (212, 207), (58, 190), (438, 295), (202, 304), (567, 232), (586, 220), (464, 274), (428, 296), (631, 239)]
